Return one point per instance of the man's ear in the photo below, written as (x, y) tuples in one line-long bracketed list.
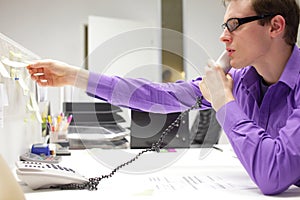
[(277, 25)]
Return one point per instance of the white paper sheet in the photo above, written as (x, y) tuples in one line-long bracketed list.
[(3, 71), (199, 182), (14, 64)]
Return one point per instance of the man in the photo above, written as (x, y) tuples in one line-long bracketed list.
[(257, 103)]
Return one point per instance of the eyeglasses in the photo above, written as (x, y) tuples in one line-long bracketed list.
[(233, 23)]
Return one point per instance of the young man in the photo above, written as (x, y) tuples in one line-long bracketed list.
[(257, 103)]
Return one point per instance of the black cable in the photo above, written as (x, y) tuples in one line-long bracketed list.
[(94, 182)]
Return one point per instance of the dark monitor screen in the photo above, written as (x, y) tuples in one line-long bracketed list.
[(146, 129)]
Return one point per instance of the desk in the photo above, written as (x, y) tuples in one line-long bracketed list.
[(202, 173)]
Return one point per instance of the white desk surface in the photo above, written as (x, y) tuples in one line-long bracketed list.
[(197, 173)]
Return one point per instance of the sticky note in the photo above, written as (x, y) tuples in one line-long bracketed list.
[(3, 71), (23, 86), (15, 64)]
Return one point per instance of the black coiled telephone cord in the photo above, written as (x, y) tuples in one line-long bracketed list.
[(93, 183)]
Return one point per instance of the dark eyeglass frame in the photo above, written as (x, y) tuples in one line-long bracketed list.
[(241, 21)]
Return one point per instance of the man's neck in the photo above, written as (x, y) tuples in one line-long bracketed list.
[(274, 63)]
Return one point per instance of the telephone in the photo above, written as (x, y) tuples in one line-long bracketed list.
[(224, 61), (45, 175), (40, 158), (39, 175)]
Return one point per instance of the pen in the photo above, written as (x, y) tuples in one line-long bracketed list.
[(217, 148), (48, 125), (58, 122), (68, 121), (50, 119), (52, 128), (62, 114), (59, 119)]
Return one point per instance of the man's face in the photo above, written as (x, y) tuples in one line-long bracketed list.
[(248, 44)]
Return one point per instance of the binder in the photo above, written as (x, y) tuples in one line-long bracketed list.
[(95, 125)]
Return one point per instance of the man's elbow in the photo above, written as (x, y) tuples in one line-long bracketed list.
[(271, 187)]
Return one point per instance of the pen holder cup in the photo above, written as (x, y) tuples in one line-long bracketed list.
[(58, 136)]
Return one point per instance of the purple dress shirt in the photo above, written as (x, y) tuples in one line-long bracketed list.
[(265, 134)]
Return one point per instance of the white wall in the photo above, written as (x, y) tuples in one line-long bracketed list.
[(202, 28), (55, 29), (125, 48)]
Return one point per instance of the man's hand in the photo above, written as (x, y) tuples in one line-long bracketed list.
[(52, 73), (216, 87)]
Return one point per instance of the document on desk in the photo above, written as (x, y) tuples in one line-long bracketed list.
[(194, 182)]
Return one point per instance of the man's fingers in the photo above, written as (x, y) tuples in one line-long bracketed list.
[(38, 74), (204, 89), (38, 77), (228, 76), (211, 63), (35, 70), (43, 83), (34, 78)]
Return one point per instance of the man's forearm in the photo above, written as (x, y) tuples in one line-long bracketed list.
[(81, 79)]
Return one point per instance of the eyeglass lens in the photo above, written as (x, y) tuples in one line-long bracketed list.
[(232, 24)]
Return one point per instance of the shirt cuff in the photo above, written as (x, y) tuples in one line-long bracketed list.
[(99, 86), (81, 79)]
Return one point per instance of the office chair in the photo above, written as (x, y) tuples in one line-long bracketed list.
[(205, 130)]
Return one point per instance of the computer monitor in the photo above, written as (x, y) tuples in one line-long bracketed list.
[(146, 129)]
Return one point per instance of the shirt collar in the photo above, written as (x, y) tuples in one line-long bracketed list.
[(250, 76), (290, 73)]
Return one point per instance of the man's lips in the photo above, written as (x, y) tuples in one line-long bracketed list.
[(230, 52)]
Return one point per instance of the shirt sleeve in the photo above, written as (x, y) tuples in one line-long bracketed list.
[(141, 94), (272, 163)]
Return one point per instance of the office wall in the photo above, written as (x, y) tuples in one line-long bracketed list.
[(202, 28), (55, 29)]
